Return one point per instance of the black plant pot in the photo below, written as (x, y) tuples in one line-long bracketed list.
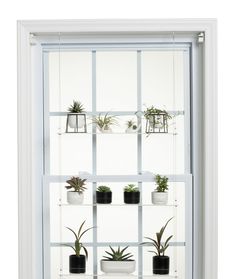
[(161, 264), (103, 197), (77, 264), (132, 197)]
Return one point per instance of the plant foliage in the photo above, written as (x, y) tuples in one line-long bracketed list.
[(103, 189), (157, 243), (77, 184), (104, 122), (118, 255), (78, 246), (152, 110), (131, 188), (161, 182), (131, 124), (76, 107)]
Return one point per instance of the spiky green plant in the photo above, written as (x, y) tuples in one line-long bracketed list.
[(103, 189), (118, 255), (152, 110), (131, 124), (78, 246), (76, 107), (157, 243), (161, 182), (131, 188), (77, 184), (104, 122)]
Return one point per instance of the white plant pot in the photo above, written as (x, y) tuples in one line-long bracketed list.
[(72, 121), (160, 198), (105, 130), (75, 197), (158, 122), (117, 267)]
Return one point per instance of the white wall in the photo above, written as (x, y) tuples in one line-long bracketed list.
[(11, 10)]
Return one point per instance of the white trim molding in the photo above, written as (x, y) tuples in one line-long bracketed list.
[(29, 143)]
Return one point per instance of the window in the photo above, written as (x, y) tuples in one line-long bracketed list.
[(122, 76)]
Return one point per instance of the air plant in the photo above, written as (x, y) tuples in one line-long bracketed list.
[(104, 122), (131, 124), (118, 255), (158, 244), (77, 184)]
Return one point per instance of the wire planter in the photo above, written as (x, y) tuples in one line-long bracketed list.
[(76, 123), (157, 123)]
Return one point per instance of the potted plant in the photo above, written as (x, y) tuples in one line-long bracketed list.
[(157, 120), (105, 122), (77, 261), (159, 195), (103, 194), (77, 184), (161, 263), (118, 262), (131, 127), (76, 119), (131, 194)]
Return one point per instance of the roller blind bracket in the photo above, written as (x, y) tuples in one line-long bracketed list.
[(201, 38), (32, 39)]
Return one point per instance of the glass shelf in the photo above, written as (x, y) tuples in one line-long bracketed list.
[(121, 204), (116, 133), (67, 274)]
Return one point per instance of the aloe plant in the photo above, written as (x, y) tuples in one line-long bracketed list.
[(103, 189), (76, 107), (161, 182), (118, 255), (78, 246), (104, 122), (77, 184), (157, 243), (130, 188)]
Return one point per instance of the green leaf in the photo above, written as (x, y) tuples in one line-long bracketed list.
[(85, 250), (85, 232), (73, 233)]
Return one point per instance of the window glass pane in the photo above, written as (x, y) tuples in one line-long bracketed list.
[(116, 154), (70, 79), (162, 74), (116, 78), (69, 153)]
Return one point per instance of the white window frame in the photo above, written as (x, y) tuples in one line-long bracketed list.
[(30, 143)]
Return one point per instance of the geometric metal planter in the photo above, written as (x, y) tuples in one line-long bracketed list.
[(157, 123), (76, 123)]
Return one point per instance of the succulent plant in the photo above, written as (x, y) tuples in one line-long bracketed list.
[(77, 184), (78, 246), (158, 244), (118, 255), (153, 110), (104, 122), (161, 182), (76, 107), (103, 189), (131, 188)]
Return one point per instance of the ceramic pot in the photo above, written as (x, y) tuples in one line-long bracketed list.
[(160, 198)]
